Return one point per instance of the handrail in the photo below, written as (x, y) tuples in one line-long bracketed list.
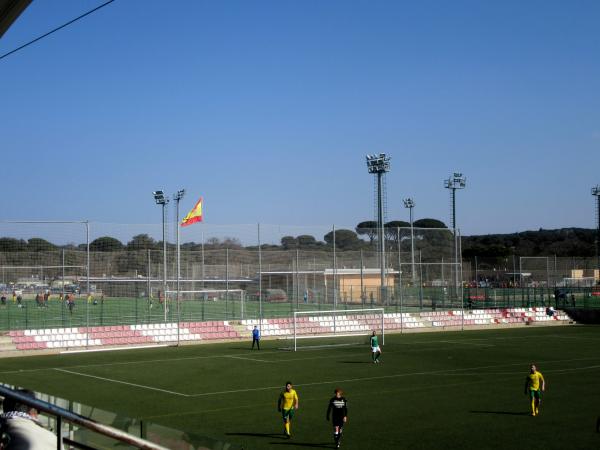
[(72, 417)]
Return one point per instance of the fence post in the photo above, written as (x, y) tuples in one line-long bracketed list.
[(334, 272), (63, 303), (260, 309), (87, 309), (420, 281), (226, 282), (149, 295), (297, 279), (362, 281)]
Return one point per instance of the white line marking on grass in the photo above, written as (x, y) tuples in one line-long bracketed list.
[(383, 377), (235, 391), (191, 358), (469, 343), (246, 359), (126, 363), (121, 382), (582, 338), (306, 399), (116, 349), (573, 369)]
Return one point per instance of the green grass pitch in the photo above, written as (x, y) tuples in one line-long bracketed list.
[(127, 310), (456, 390)]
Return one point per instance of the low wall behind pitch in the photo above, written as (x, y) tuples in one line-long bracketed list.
[(583, 315)]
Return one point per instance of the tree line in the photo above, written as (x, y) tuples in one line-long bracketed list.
[(430, 233)]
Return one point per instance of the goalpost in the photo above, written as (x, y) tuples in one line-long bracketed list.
[(338, 323)]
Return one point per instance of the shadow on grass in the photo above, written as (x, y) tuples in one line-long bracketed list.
[(304, 444), (506, 413), (283, 440), (356, 362), (263, 435)]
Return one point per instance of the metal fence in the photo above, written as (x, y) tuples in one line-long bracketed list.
[(85, 427), (99, 274)]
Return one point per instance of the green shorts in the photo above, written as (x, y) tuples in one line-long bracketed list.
[(535, 393), (288, 414)]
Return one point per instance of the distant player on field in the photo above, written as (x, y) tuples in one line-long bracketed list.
[(534, 386), (375, 350), (338, 410), (287, 405), (256, 337)]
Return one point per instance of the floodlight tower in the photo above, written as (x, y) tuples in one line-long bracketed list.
[(379, 165), (456, 181), (160, 199), (596, 193), (410, 204)]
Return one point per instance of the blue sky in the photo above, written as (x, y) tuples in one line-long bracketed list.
[(267, 109)]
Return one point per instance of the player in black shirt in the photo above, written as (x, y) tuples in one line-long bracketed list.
[(338, 410)]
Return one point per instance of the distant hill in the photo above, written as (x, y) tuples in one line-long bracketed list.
[(561, 242)]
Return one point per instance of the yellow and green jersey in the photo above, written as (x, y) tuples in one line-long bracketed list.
[(534, 380), (289, 399)]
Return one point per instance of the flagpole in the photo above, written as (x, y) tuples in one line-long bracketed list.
[(178, 196)]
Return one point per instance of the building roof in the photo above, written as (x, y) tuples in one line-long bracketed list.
[(330, 272)]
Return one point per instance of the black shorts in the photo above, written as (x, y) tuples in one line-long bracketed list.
[(338, 422)]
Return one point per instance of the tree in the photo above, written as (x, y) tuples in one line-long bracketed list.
[(344, 240), (141, 242), (289, 242), (306, 241), (215, 243), (212, 242), (393, 231), (429, 223), (105, 244), (12, 245), (368, 228), (231, 242), (39, 245)]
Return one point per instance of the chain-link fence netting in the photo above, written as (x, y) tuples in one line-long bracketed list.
[(89, 274)]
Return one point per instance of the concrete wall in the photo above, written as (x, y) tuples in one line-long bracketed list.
[(586, 316)]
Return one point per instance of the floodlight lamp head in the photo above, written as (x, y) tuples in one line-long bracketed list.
[(378, 163), (596, 190), (409, 203), (179, 194), (159, 198), (456, 181)]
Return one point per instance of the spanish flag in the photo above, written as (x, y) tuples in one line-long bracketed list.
[(195, 215)]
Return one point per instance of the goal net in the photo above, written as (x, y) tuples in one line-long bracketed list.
[(208, 304), (313, 329)]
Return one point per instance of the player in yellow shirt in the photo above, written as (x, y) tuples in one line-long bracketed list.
[(534, 386), (287, 405)]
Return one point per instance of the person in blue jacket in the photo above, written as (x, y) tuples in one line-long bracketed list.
[(256, 337)]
